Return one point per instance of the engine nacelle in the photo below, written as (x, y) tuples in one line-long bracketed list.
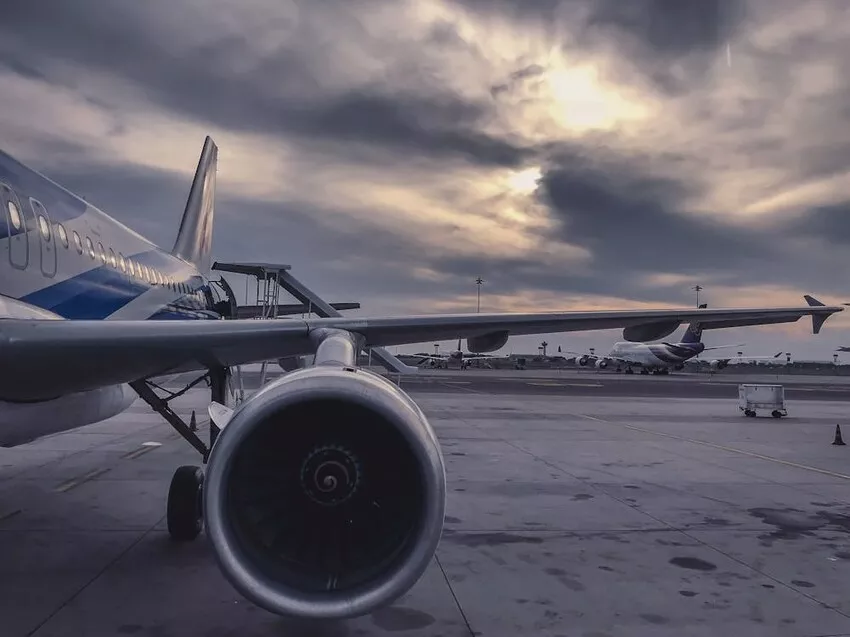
[(650, 331), (487, 343), (325, 494), (719, 364), (601, 363), (583, 360)]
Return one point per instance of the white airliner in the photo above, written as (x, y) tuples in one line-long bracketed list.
[(660, 358), (464, 358), (324, 492)]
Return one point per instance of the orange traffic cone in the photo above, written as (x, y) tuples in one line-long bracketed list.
[(838, 440)]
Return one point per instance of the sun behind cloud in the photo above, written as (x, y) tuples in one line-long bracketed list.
[(525, 181)]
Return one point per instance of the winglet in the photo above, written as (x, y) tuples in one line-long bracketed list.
[(817, 319)]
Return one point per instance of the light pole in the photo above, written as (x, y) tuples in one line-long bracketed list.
[(697, 289), (478, 282)]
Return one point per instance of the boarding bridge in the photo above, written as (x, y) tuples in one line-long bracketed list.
[(270, 279)]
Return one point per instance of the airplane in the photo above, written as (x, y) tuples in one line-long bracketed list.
[(442, 360), (322, 494), (660, 358)]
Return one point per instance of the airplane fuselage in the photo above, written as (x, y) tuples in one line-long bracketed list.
[(656, 355), (61, 258)]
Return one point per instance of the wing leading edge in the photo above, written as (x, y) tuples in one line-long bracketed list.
[(36, 355)]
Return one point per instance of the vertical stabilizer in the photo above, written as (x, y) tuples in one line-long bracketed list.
[(693, 334), (194, 239)]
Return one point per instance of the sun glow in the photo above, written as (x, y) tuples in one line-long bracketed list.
[(525, 181), (581, 101)]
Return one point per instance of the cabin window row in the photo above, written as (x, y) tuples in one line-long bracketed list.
[(116, 260)]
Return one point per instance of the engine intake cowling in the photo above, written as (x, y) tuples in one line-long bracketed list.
[(325, 494)]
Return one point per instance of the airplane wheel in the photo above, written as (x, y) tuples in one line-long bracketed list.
[(184, 512)]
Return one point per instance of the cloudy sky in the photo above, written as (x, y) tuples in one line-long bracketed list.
[(575, 154)]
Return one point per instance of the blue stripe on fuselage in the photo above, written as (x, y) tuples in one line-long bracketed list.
[(102, 291)]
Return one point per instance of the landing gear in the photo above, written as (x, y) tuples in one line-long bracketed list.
[(185, 511), (629, 370)]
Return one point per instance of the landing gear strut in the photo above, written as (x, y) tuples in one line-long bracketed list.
[(184, 512)]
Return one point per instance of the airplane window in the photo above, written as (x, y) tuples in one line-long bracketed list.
[(78, 242), (63, 235), (101, 252), (90, 247), (44, 227), (14, 215), (122, 263), (112, 260)]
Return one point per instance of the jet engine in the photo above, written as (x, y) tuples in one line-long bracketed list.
[(325, 494), (583, 360), (601, 363), (719, 363)]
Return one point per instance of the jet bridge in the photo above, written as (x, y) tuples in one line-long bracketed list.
[(271, 278)]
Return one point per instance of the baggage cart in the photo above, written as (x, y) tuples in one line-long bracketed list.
[(768, 397)]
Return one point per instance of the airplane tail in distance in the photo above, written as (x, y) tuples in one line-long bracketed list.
[(693, 334), (194, 239)]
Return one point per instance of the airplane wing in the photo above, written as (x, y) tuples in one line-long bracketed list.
[(41, 359)]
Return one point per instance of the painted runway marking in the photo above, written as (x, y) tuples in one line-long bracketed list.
[(132, 455), (704, 443), (9, 515), (554, 384), (75, 482)]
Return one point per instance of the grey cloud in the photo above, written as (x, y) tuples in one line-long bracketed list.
[(826, 223), (277, 94)]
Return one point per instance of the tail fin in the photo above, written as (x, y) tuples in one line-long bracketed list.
[(693, 334), (194, 239)]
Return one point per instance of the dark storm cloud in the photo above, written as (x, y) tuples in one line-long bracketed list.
[(670, 42), (827, 223), (614, 208), (275, 94), (668, 26), (671, 27)]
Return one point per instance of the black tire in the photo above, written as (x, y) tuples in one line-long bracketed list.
[(184, 512), (750, 413), (776, 413)]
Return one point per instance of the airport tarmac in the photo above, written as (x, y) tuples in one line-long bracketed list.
[(603, 384), (567, 515)]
